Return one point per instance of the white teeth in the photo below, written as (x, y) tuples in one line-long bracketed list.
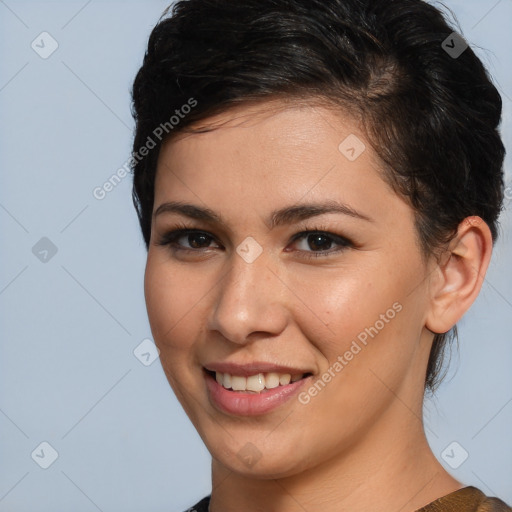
[(226, 379), (285, 379), (271, 380), (238, 383), (255, 383)]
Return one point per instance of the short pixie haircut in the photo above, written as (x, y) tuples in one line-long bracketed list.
[(432, 117)]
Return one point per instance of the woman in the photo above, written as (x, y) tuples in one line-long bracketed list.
[(318, 184)]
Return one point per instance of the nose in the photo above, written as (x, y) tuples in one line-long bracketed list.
[(248, 302)]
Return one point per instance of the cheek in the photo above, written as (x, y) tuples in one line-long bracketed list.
[(171, 300), (338, 304), (366, 320)]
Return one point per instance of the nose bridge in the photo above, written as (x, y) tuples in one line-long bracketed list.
[(246, 300)]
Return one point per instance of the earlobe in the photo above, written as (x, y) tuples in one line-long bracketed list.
[(460, 274)]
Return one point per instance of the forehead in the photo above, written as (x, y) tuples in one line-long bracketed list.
[(258, 134), (273, 152)]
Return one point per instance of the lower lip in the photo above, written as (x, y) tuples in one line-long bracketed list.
[(250, 404)]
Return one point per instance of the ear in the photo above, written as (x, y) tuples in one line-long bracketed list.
[(458, 278)]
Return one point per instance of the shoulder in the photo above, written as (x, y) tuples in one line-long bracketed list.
[(493, 505), (467, 499), (201, 506)]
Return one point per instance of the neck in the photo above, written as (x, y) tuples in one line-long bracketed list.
[(390, 468)]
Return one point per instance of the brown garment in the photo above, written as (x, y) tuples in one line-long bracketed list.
[(467, 499)]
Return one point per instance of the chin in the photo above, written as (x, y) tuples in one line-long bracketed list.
[(253, 456), (267, 467)]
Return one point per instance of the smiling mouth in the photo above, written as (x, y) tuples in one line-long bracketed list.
[(257, 383)]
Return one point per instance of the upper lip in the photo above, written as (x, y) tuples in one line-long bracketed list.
[(247, 369)]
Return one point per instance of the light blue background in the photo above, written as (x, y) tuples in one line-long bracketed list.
[(68, 374)]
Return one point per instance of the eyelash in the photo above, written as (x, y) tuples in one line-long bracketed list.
[(180, 230)]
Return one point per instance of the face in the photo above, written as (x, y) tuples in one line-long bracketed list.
[(280, 258)]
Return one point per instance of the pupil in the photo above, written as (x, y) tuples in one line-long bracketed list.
[(315, 238), (195, 237)]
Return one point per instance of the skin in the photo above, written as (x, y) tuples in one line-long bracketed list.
[(359, 444)]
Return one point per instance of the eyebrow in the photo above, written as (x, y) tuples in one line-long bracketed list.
[(286, 215)]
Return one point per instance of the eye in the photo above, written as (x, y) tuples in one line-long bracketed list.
[(196, 239), (317, 239), (320, 241)]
